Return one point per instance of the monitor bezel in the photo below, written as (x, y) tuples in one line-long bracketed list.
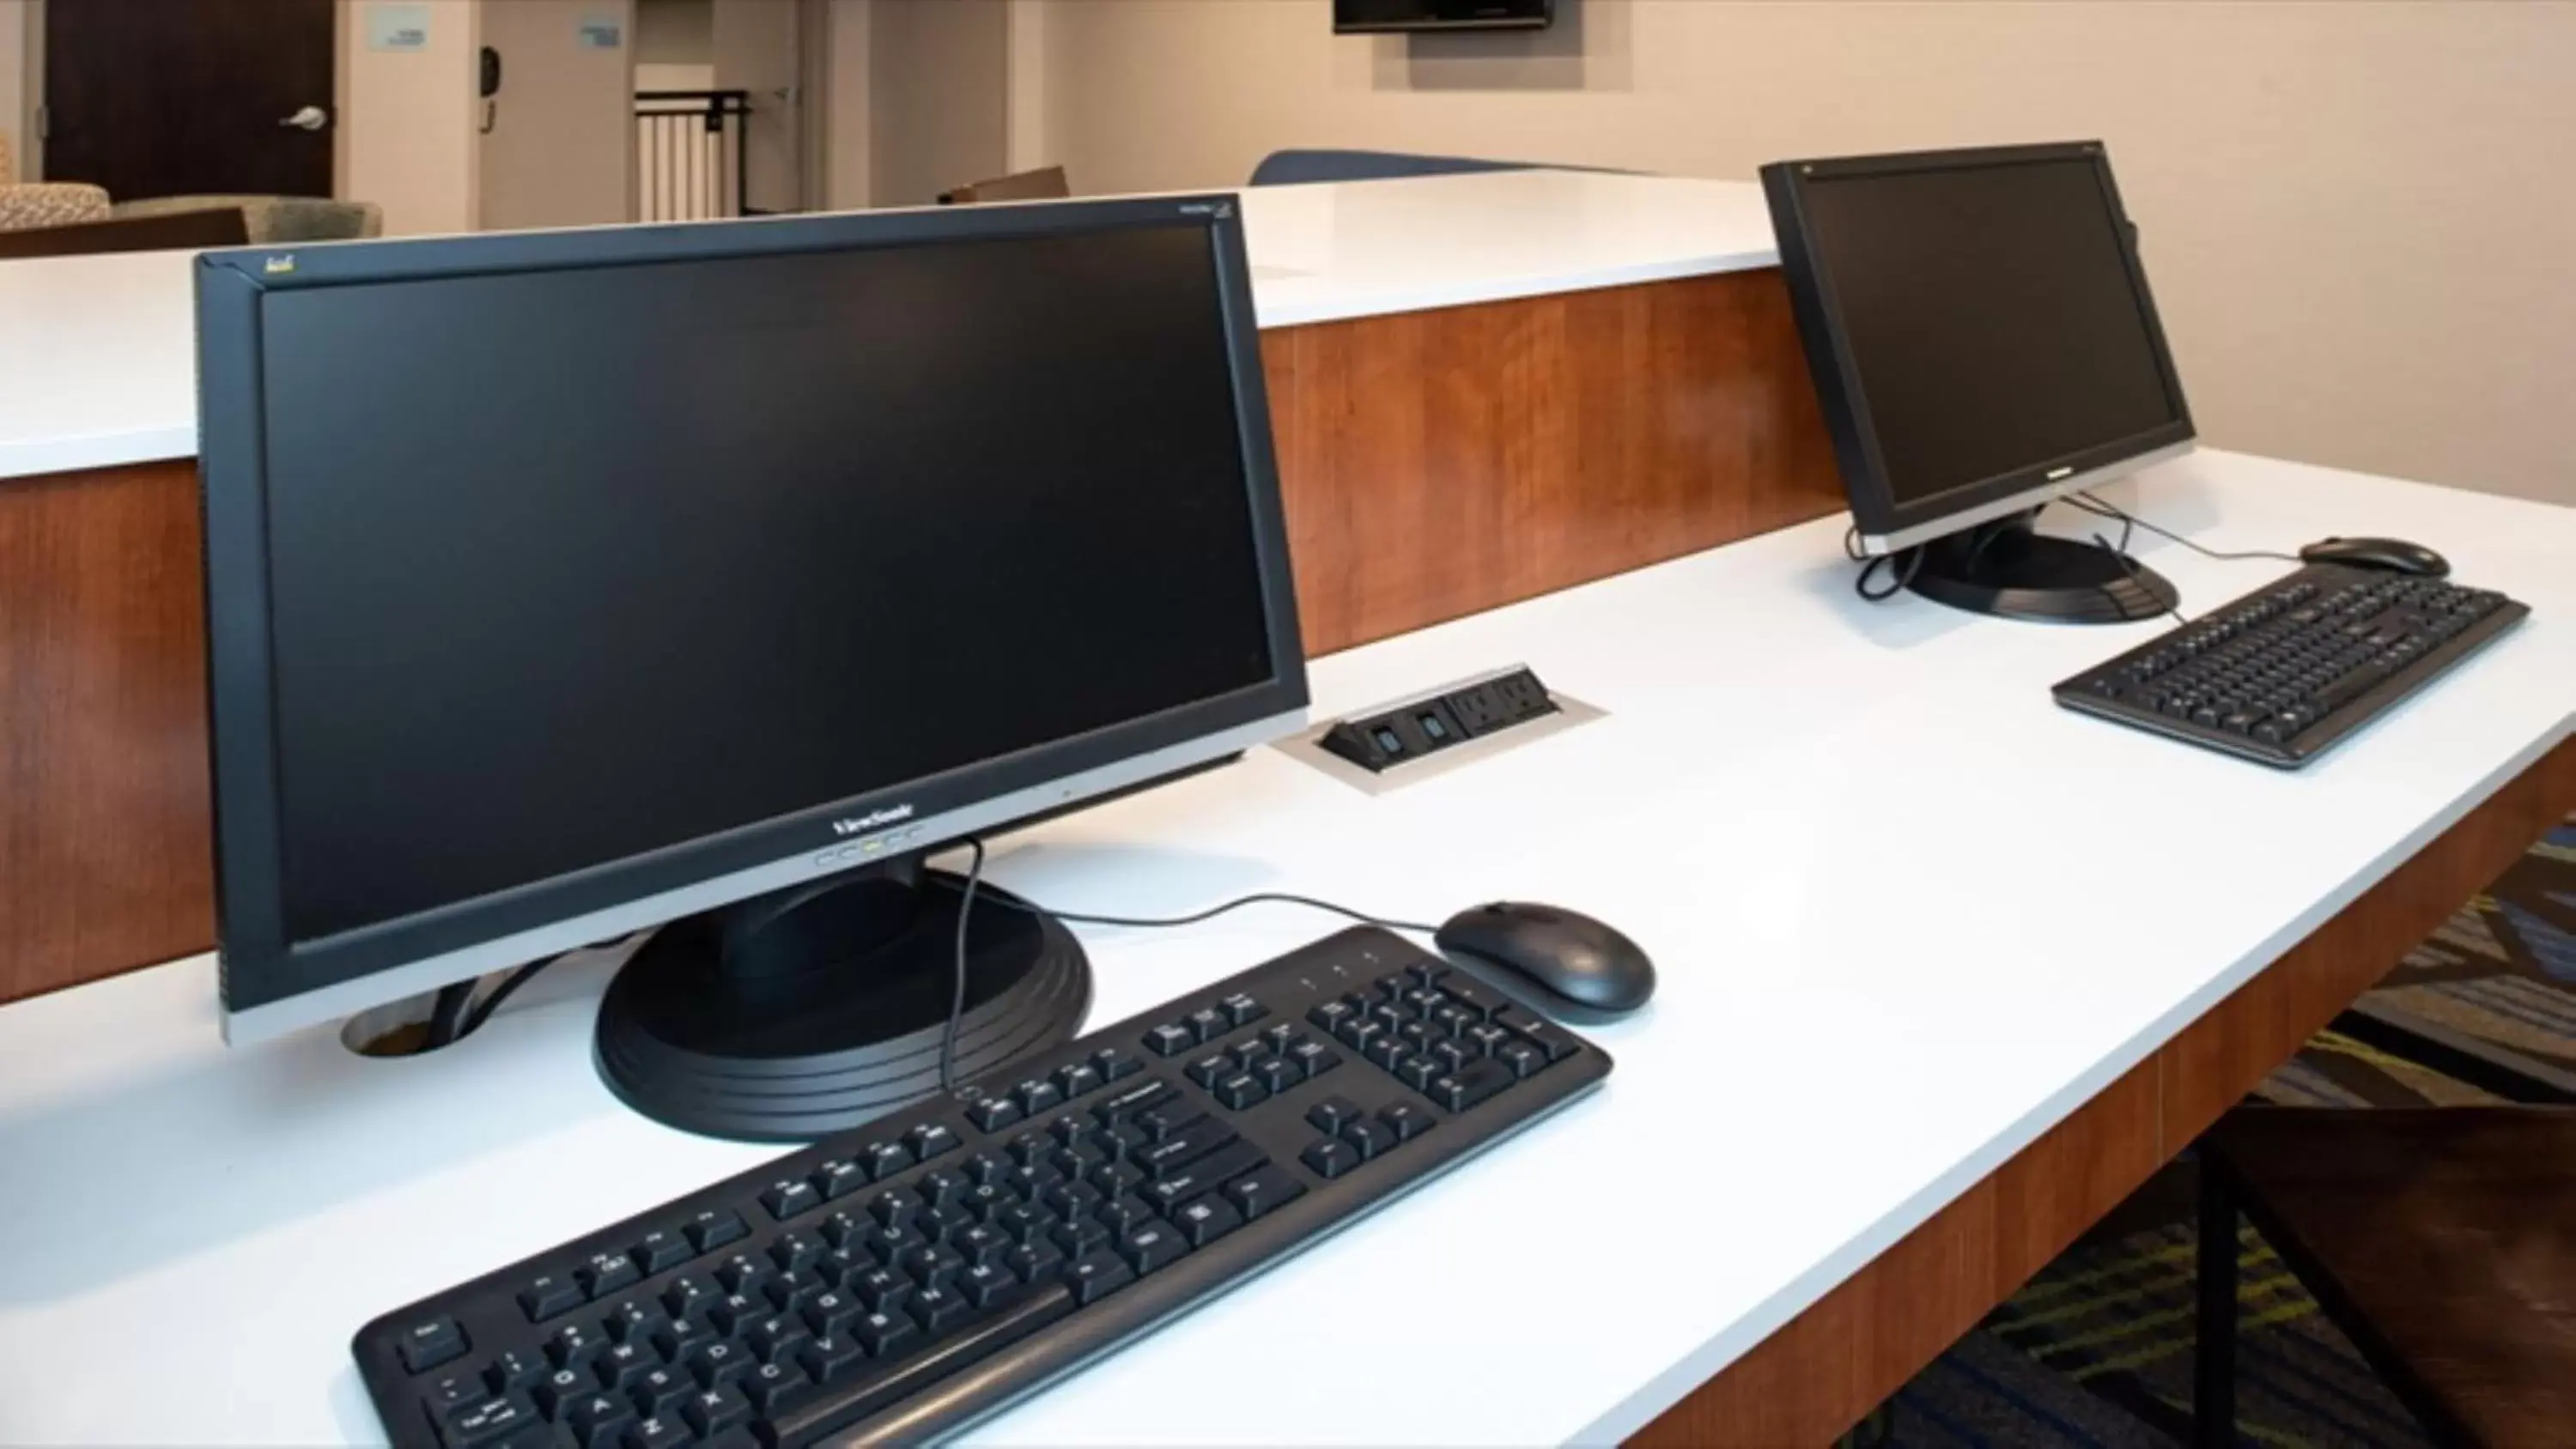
[(270, 983), (1883, 522)]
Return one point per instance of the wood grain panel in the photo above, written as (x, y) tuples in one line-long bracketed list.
[(105, 852), (1859, 1343), (1437, 464), (2216, 1060)]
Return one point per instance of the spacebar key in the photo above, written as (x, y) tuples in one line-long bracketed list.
[(891, 1385)]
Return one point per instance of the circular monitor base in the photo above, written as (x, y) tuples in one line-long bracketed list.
[(847, 1025), (2017, 574)]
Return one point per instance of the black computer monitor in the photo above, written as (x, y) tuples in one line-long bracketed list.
[(1982, 340), (561, 585)]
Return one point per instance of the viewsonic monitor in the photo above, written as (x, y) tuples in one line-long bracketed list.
[(709, 577)]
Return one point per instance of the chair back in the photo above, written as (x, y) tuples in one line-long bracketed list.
[(1046, 183)]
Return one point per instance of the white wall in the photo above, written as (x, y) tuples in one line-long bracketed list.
[(938, 97), (408, 122), (561, 151), (2357, 215)]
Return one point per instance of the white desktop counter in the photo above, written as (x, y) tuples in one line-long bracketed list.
[(98, 359), (1908, 914)]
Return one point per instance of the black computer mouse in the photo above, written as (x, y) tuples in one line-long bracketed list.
[(1563, 963), (2393, 554)]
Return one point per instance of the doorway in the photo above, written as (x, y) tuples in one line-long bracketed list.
[(191, 99)]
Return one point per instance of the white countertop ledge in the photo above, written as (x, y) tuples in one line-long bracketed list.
[(97, 354)]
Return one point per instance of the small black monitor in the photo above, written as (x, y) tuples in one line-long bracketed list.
[(1982, 340), (1361, 17), (562, 585)]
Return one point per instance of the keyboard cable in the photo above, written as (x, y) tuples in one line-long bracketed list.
[(2100, 509)]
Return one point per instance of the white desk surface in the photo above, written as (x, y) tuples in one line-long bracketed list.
[(98, 354), (1908, 914)]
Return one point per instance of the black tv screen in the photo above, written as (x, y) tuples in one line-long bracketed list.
[(1360, 17)]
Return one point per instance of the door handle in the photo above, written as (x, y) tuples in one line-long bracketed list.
[(309, 118)]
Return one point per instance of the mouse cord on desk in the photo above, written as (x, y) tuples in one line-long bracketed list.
[(2099, 509), (1870, 564)]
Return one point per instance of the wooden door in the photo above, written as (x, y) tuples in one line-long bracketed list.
[(172, 99)]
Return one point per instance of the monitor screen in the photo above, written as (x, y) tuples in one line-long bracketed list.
[(1351, 16), (567, 566), (1990, 315)]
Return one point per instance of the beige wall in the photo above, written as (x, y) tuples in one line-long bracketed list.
[(938, 78), (844, 98), (561, 148), (16, 101), (675, 32), (2357, 214), (754, 49), (408, 122)]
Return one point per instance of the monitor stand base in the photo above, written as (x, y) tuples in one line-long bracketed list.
[(2005, 568), (807, 1011)]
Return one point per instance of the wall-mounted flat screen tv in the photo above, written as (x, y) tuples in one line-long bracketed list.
[(1360, 17)]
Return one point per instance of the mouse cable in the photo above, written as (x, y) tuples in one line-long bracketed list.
[(966, 908), (2099, 509)]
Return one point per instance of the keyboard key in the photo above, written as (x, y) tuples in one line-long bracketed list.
[(716, 1364), (1312, 1058), (775, 1336), (1206, 1220), (1263, 1190), (1171, 1040), (1330, 1015), (1151, 1245), (1420, 1072), (1127, 1102), (1547, 1037), (657, 1391), (1096, 1275), (1074, 1081), (839, 1177), (1523, 1058), (1114, 1064), (992, 1114), (1077, 1236), (1370, 1138), (621, 1365), (1208, 1023), (734, 1312), (931, 1267), (654, 1432), (432, 1341), (1488, 1037), (1471, 1084), (1331, 1114), (1329, 1159), (1205, 1175), (1275, 1075), (776, 1388), (939, 1310), (712, 1229), (488, 1421), (452, 1391), (1037, 1258), (795, 1252), (790, 1196), (886, 1330), (1240, 1091), (561, 1389), (1123, 1213), (828, 1356), (599, 1420), (1242, 1010), (885, 1159), (1198, 1139), (550, 1296), (932, 1139), (715, 1410), (1405, 1120), (660, 1251), (681, 1337), (514, 1370), (982, 1283), (573, 1346)]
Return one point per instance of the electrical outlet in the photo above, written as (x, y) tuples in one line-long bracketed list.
[(1499, 703)]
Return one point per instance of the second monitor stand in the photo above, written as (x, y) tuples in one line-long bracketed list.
[(813, 1009), (2006, 568)]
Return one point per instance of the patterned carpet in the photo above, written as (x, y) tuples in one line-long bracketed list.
[(2096, 1350)]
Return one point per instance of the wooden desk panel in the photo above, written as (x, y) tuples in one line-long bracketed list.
[(105, 861), (1814, 1378), (1442, 463)]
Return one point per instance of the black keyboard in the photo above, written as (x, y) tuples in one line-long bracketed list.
[(2284, 673), (905, 1279)]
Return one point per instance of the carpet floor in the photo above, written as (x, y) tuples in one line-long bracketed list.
[(2096, 1349)]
